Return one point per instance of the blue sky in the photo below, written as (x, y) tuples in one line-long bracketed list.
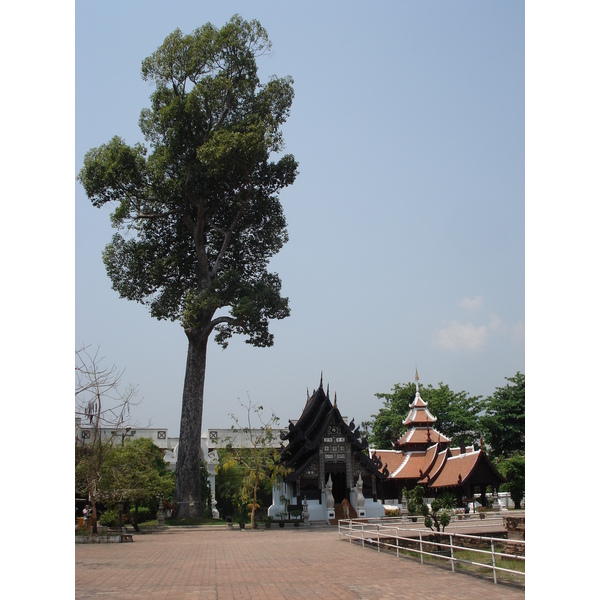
[(406, 223)]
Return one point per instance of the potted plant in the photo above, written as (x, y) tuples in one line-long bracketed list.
[(281, 516), (268, 521), (296, 514), (241, 516)]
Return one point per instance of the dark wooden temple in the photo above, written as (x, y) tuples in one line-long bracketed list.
[(320, 446)]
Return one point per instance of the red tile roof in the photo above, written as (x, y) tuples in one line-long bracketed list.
[(419, 435), (456, 466)]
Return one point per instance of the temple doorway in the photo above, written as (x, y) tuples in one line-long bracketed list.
[(339, 485)]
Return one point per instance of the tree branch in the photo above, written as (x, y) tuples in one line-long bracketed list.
[(229, 233)]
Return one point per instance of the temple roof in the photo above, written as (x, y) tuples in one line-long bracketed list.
[(304, 437), (423, 456), (464, 468), (419, 415), (438, 467), (422, 435)]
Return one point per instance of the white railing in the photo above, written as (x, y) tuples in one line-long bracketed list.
[(400, 536)]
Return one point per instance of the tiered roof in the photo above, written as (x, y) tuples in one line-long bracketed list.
[(423, 455), (420, 433)]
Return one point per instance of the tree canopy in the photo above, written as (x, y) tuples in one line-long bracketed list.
[(197, 208), (135, 471), (504, 419)]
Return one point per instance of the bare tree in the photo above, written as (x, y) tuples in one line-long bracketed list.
[(100, 403)]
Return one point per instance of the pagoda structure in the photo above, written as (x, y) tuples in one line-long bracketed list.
[(424, 456), (329, 467)]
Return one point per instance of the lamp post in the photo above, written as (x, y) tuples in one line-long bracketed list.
[(160, 517), (121, 517), (127, 433), (305, 513)]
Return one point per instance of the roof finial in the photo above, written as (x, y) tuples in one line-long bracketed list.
[(321, 384), (335, 400), (417, 378)]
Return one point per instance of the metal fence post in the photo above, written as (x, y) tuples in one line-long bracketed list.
[(421, 545), (397, 544), (493, 560), (451, 552)]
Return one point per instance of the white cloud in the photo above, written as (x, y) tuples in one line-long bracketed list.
[(471, 303), (496, 324), (458, 336), (461, 336), (517, 333)]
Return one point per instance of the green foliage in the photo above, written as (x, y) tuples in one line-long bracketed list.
[(227, 484), (197, 208), (199, 202), (440, 513), (457, 414), (388, 421), (135, 472), (109, 517), (448, 500), (256, 466), (513, 469), (504, 419), (100, 403)]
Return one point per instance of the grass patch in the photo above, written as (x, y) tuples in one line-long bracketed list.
[(469, 556), (181, 522), (191, 521)]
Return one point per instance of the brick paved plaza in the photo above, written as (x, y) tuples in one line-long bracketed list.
[(282, 564)]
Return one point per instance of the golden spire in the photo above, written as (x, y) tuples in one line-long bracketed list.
[(417, 378)]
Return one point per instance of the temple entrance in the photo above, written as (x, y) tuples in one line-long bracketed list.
[(339, 485)]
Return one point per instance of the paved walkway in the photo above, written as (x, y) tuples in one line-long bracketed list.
[(281, 564)]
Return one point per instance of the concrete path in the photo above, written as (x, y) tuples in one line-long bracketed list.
[(281, 564)]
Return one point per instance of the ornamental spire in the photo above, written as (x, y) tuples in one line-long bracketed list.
[(417, 378)]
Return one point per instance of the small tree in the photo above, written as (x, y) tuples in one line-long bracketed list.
[(135, 473), (260, 461), (99, 402), (438, 516)]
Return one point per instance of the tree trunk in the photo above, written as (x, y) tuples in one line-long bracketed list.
[(188, 488)]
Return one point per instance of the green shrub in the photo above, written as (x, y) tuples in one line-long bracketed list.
[(109, 518), (144, 514)]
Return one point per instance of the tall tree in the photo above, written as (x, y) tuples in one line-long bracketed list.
[(456, 412), (197, 209), (504, 418)]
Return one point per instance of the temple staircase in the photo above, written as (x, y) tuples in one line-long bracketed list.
[(339, 513)]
